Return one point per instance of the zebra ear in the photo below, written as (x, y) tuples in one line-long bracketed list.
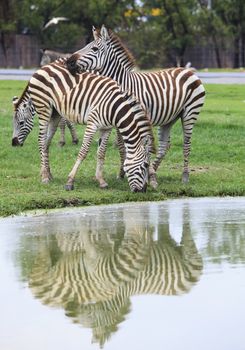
[(104, 33), (15, 100), (96, 33)]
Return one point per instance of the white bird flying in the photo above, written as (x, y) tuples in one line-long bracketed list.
[(54, 21)]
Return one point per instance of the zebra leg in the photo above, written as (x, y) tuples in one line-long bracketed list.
[(191, 257), (187, 125), (87, 139), (62, 126), (73, 132), (104, 136), (188, 120), (53, 124), (45, 173), (122, 153), (164, 145), (115, 143)]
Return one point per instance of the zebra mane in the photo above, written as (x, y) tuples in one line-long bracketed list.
[(61, 61), (23, 95), (117, 42)]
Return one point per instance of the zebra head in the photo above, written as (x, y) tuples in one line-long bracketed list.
[(136, 165), (93, 56), (23, 119)]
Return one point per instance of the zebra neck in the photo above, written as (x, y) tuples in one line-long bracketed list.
[(133, 146), (120, 73)]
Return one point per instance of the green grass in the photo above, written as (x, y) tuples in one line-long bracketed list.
[(217, 160)]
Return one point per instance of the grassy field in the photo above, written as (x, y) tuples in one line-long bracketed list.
[(217, 160)]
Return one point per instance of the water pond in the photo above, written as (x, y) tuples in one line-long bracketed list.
[(139, 276)]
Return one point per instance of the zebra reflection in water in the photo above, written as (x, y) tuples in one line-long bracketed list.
[(93, 270)]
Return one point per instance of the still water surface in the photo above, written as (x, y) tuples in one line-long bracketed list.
[(167, 275)]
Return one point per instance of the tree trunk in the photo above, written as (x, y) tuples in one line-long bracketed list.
[(217, 53), (243, 50)]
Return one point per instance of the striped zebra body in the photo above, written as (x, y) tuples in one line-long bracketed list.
[(49, 56), (92, 100), (166, 95)]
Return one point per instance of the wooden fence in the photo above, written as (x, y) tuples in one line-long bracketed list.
[(18, 50)]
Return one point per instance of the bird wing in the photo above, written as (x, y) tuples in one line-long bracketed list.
[(54, 20), (61, 19)]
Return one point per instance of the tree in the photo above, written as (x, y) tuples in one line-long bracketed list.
[(212, 29), (175, 24), (7, 15), (232, 14)]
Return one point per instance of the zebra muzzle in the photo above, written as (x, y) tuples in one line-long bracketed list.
[(15, 142), (142, 190)]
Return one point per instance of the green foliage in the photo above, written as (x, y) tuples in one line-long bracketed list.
[(143, 44), (232, 15), (65, 38), (217, 160)]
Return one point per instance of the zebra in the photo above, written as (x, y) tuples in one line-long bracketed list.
[(47, 57), (167, 95), (85, 99)]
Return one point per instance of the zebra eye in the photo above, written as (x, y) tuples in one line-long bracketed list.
[(95, 49), (24, 105), (21, 122)]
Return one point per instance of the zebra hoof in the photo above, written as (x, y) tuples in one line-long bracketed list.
[(75, 142), (47, 178), (103, 185), (153, 184), (185, 178), (45, 181), (153, 181), (69, 187)]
